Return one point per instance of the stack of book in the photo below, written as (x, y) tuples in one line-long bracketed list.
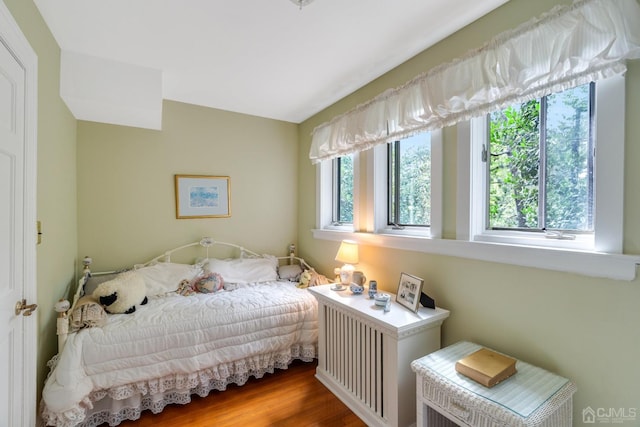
[(487, 367)]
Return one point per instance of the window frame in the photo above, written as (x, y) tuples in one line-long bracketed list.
[(394, 150), (379, 196), (325, 196), (609, 181), (336, 179), (543, 163), (373, 218)]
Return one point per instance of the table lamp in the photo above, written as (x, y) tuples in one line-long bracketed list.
[(347, 254)]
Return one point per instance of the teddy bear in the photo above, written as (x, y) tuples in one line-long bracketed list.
[(311, 278), (305, 278), (122, 294)]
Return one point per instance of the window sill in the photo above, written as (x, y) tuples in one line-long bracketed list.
[(419, 232), (583, 243), (586, 263)]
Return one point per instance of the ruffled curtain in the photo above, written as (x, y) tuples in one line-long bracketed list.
[(568, 46)]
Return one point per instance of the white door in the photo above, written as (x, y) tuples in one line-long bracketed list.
[(17, 243)]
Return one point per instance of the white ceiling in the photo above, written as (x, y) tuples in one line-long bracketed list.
[(266, 58)]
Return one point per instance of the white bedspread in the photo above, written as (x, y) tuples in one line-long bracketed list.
[(175, 337)]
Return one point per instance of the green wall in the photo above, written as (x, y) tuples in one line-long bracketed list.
[(580, 327), (126, 193), (56, 194)]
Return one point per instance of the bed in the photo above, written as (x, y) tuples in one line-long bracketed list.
[(111, 367)]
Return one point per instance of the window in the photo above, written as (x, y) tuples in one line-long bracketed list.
[(409, 181), (337, 195), (547, 172), (596, 253), (406, 189), (343, 190), (540, 160), (416, 208)]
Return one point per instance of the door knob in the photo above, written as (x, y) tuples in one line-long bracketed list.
[(28, 308)]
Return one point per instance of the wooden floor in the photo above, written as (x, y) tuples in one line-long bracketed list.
[(292, 397)]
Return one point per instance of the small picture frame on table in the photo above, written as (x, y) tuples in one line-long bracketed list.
[(409, 291)]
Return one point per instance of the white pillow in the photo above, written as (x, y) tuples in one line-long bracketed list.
[(165, 277), (95, 280), (245, 270), (290, 272)]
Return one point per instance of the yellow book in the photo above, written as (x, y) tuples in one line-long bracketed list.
[(487, 367)]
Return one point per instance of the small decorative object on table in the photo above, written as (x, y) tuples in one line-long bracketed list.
[(487, 367), (359, 278), (409, 291), (373, 289), (357, 283), (382, 299), (356, 288), (427, 301)]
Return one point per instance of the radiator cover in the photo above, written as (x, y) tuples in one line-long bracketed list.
[(364, 353)]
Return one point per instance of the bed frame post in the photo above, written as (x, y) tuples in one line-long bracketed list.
[(62, 322), (63, 307), (292, 252)]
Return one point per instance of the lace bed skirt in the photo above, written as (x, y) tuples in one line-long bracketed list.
[(127, 402)]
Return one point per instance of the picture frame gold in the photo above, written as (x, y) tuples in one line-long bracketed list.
[(202, 196), (409, 291)]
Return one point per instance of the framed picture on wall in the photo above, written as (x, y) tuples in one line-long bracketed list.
[(202, 196), (409, 291)]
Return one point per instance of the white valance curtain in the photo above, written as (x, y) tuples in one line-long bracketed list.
[(568, 46)]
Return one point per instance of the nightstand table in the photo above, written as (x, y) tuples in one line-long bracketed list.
[(531, 397), (365, 353)]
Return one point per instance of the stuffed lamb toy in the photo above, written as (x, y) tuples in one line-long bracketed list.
[(122, 294)]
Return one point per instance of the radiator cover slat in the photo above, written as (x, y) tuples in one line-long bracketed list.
[(354, 357)]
